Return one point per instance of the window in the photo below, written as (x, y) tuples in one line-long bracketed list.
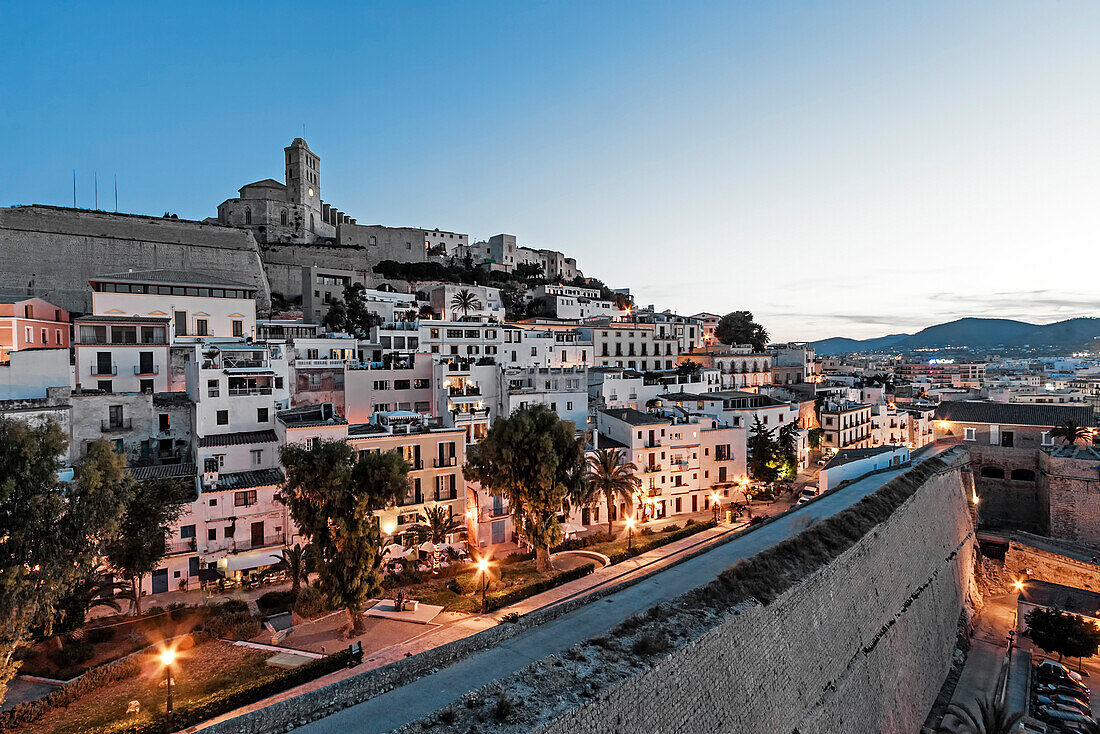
[(992, 472), (30, 335), (244, 499), (213, 389), (1046, 439), (201, 327), (257, 456), (248, 215), (187, 531), (238, 328), (145, 386), (261, 415), (223, 417), (1023, 475), (212, 534), (57, 337), (283, 217), (45, 338), (164, 422), (104, 386), (970, 434), (213, 502)]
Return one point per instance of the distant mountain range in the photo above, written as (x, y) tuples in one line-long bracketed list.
[(1069, 335)]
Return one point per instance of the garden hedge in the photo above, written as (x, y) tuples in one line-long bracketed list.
[(501, 599)]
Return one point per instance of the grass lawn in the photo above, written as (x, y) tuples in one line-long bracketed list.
[(199, 671), (436, 591)]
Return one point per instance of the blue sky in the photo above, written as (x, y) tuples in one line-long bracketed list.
[(837, 168)]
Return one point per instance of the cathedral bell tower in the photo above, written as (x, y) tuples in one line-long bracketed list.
[(303, 179)]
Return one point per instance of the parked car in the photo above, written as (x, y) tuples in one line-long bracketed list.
[(1050, 670), (1063, 702), (808, 493), (1060, 716), (1057, 692)]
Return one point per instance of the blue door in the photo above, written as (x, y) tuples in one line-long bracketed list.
[(498, 533), (160, 581)]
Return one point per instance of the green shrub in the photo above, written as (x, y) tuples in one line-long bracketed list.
[(670, 528), (503, 708), (646, 531), (310, 602), (232, 606), (665, 538), (518, 593), (72, 654), (652, 642), (154, 611), (690, 521), (275, 601)]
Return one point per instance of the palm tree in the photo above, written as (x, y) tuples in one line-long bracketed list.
[(97, 589), (295, 561), (1071, 432), (465, 301), (609, 473), (435, 524), (982, 716)]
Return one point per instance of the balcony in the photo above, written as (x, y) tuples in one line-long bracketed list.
[(116, 426), (237, 391), (187, 545), (446, 495), (464, 390), (152, 370), (103, 370), (438, 462), (652, 468), (266, 542), (236, 363), (654, 444), (417, 498)]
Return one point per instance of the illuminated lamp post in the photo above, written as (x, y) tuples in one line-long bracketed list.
[(629, 532), (167, 657)]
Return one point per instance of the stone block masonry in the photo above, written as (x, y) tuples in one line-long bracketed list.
[(59, 249)]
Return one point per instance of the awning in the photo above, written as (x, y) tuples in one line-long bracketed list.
[(207, 575), (252, 559)]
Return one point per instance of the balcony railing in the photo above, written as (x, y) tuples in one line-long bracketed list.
[(306, 363), (235, 391), (442, 495), (652, 468), (99, 369), (467, 390), (243, 363), (188, 545), (267, 542), (110, 426), (444, 461), (152, 370)]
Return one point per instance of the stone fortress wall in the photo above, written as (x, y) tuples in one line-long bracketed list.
[(58, 249), (863, 645)]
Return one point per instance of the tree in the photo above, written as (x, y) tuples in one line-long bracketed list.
[(97, 589), (787, 448), (351, 314), (1071, 432), (610, 474), (535, 460), (465, 301), (528, 271), (142, 539), (983, 716), (1055, 631), (762, 448), (332, 496), (688, 367), (738, 327), (51, 535), (337, 317), (426, 311), (814, 437), (295, 562), (435, 524)]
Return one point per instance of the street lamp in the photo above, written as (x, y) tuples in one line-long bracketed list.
[(714, 504), (629, 532), (167, 657), (483, 571)]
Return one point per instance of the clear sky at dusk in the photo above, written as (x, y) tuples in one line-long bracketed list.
[(838, 168)]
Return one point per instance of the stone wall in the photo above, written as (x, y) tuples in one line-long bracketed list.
[(1007, 503), (59, 249), (1045, 560), (1073, 492), (862, 645)]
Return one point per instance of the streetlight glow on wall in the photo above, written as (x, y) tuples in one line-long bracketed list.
[(714, 504), (629, 532)]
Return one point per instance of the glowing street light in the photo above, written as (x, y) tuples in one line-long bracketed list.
[(714, 504), (167, 657), (629, 532), (482, 567), (1019, 585)]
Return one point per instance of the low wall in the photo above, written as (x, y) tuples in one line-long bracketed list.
[(864, 644)]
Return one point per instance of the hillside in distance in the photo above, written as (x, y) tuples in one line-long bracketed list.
[(976, 333)]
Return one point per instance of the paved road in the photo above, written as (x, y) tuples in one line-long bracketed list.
[(433, 692)]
